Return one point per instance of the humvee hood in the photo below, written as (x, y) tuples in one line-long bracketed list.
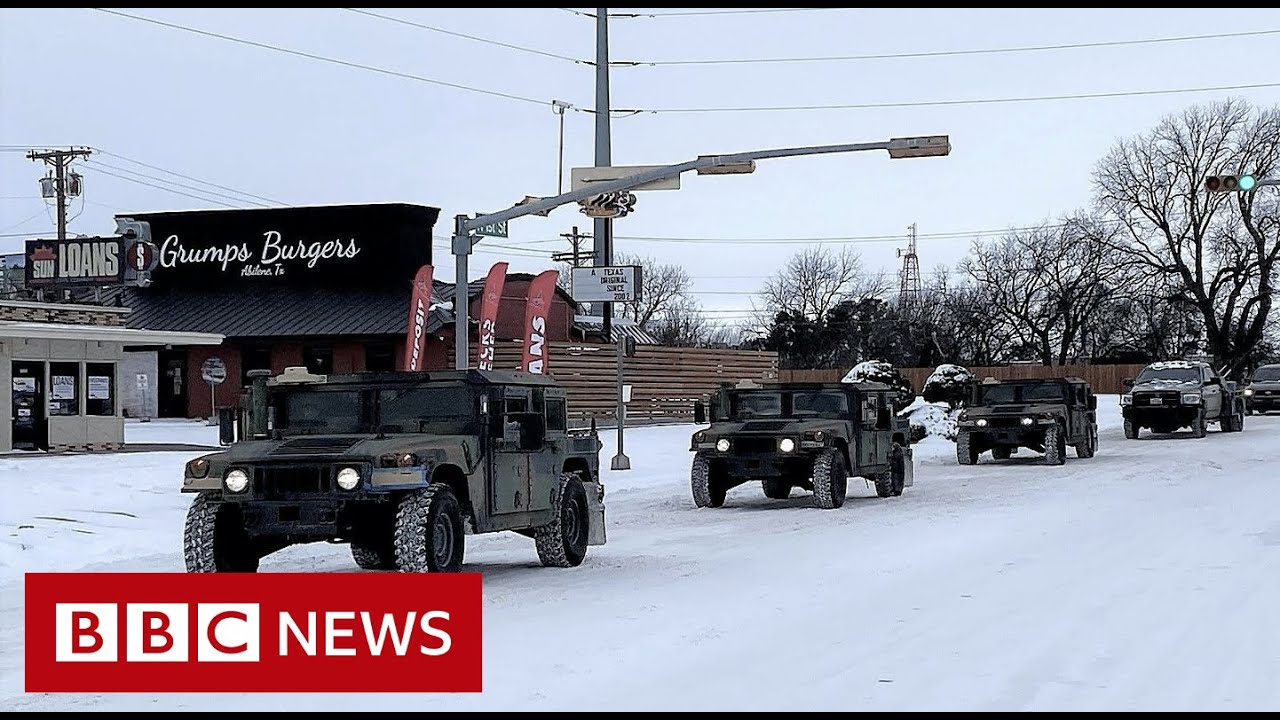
[(334, 448), (778, 426)]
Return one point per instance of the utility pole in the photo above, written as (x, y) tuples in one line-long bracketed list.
[(61, 184), (575, 257), (603, 231)]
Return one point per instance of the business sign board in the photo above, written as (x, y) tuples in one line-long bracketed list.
[(337, 246), (74, 262), (620, 283)]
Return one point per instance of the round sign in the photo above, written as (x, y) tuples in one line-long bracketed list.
[(141, 256), (214, 371)]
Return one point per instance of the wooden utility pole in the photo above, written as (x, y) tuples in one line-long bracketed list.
[(61, 189)]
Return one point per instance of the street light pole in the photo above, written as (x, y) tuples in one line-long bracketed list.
[(736, 163)]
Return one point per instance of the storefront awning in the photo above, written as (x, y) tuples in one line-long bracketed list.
[(105, 333)]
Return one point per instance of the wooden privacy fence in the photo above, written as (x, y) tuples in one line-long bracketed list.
[(1103, 379), (665, 381)]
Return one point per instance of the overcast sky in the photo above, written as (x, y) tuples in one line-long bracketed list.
[(299, 130)]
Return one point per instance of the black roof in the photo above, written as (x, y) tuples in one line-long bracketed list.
[(1034, 381), (812, 386), (470, 377)]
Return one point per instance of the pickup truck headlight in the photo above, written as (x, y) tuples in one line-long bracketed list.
[(722, 445), (1190, 398), (982, 422), (1126, 399), (1248, 392)]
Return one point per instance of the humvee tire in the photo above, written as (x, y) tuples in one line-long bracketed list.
[(777, 488), (429, 534), (1055, 446), (965, 454), (373, 556), (214, 539), (830, 480), (1002, 452), (1130, 430), (1200, 425), (884, 485), (708, 492), (1087, 448), (898, 469), (563, 541)]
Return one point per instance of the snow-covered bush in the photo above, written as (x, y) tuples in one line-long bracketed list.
[(879, 371), (931, 420), (948, 384)]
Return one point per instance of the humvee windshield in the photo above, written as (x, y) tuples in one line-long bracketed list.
[(797, 403), (333, 411), (1022, 393), (1170, 374), (1267, 373)]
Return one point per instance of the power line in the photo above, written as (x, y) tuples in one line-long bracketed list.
[(451, 33), (24, 221), (695, 13), (213, 193), (977, 101), (579, 13), (957, 53), (186, 177), (951, 235), (323, 58), (97, 169)]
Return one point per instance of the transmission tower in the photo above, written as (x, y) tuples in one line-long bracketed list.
[(909, 275)]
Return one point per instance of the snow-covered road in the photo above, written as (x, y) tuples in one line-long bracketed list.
[(1145, 578)]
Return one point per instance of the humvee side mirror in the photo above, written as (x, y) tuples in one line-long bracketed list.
[(699, 412), (1093, 402), (226, 426), (1127, 382)]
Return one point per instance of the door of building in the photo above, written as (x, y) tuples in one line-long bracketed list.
[(30, 427), (171, 390)]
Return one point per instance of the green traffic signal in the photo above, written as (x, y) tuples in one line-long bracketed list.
[(1246, 182)]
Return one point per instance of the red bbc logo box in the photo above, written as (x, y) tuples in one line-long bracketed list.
[(286, 632)]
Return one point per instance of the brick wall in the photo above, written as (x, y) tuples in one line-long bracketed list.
[(23, 311)]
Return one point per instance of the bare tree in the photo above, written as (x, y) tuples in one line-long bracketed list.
[(683, 324), (1219, 250), (816, 279), (663, 286), (1043, 287)]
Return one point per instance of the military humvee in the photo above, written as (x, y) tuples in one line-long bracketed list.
[(400, 465), (807, 435), (1043, 415)]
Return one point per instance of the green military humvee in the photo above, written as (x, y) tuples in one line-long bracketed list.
[(400, 465), (1044, 415), (807, 435)]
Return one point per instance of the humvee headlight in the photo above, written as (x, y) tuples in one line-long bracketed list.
[(982, 422), (348, 478), (1028, 421), (236, 481), (787, 445), (700, 436), (1191, 398), (722, 445), (406, 460), (198, 468)]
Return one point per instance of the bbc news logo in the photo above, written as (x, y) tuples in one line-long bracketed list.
[(331, 632)]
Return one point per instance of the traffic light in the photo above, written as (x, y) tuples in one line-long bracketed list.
[(1230, 183)]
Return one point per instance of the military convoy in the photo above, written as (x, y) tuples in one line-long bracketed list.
[(1046, 416), (1167, 396), (813, 436), (399, 465)]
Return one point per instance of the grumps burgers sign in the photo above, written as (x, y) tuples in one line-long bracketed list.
[(348, 246), (74, 262)]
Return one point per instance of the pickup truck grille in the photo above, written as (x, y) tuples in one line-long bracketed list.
[(292, 482), (1150, 399)]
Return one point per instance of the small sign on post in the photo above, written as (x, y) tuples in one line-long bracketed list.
[(214, 372), (620, 283), (143, 384), (497, 229)]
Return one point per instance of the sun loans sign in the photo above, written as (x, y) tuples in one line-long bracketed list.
[(71, 263)]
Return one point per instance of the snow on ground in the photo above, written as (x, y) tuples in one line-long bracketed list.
[(1143, 579)]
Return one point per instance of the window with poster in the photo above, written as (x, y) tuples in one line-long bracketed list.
[(100, 389), (64, 388)]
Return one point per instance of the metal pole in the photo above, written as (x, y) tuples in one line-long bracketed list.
[(620, 461), (461, 298), (213, 404), (560, 166)]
